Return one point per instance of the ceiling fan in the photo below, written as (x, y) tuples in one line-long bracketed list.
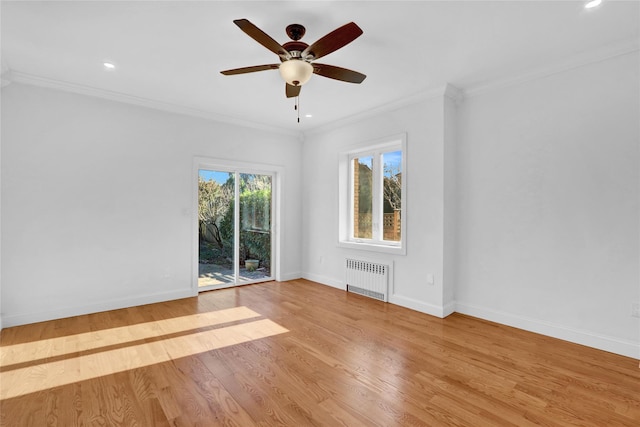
[(297, 58)]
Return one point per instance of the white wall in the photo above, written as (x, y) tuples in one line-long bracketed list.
[(97, 200), (424, 205), (524, 198), (548, 206)]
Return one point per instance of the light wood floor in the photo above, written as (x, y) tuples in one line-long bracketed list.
[(302, 354)]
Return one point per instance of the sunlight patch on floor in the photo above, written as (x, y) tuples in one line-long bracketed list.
[(48, 375), (41, 349)]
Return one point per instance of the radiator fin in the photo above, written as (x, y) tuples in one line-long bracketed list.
[(367, 278)]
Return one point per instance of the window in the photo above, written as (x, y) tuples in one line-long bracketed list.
[(235, 238), (371, 196)]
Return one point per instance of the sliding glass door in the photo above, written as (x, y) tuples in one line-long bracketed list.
[(235, 244)]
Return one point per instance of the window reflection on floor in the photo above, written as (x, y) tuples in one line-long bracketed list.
[(104, 359)]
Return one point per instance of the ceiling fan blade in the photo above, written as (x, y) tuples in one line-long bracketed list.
[(338, 73), (292, 91), (253, 69), (261, 37), (333, 41)]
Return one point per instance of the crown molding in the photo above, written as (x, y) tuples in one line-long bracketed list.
[(576, 61), (446, 90), (33, 80), (457, 95), (453, 93)]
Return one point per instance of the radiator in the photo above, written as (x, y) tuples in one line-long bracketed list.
[(367, 278)]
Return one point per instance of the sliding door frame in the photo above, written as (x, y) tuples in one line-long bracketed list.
[(214, 164)]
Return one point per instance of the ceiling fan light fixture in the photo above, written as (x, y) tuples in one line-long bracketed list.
[(296, 72)]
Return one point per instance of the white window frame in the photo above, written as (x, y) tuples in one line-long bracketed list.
[(277, 183), (346, 192)]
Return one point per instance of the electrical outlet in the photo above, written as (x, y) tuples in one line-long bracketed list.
[(430, 279), (635, 309)]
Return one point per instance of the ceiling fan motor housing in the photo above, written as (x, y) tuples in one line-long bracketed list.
[(295, 31), (295, 48)]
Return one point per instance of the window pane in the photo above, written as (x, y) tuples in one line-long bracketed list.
[(392, 192), (216, 230), (362, 197), (254, 260)]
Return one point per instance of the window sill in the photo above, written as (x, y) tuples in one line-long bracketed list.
[(363, 246)]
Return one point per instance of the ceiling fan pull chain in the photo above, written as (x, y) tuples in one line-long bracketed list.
[(297, 107)]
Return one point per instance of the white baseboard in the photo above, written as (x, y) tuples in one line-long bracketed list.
[(421, 306), (324, 280), (449, 308), (396, 299), (601, 342), (290, 276), (26, 318), (413, 304)]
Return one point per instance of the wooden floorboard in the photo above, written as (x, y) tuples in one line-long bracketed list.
[(301, 354)]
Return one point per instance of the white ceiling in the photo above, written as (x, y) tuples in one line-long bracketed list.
[(171, 53)]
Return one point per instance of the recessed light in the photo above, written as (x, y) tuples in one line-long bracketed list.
[(592, 4), (308, 115), (108, 65)]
